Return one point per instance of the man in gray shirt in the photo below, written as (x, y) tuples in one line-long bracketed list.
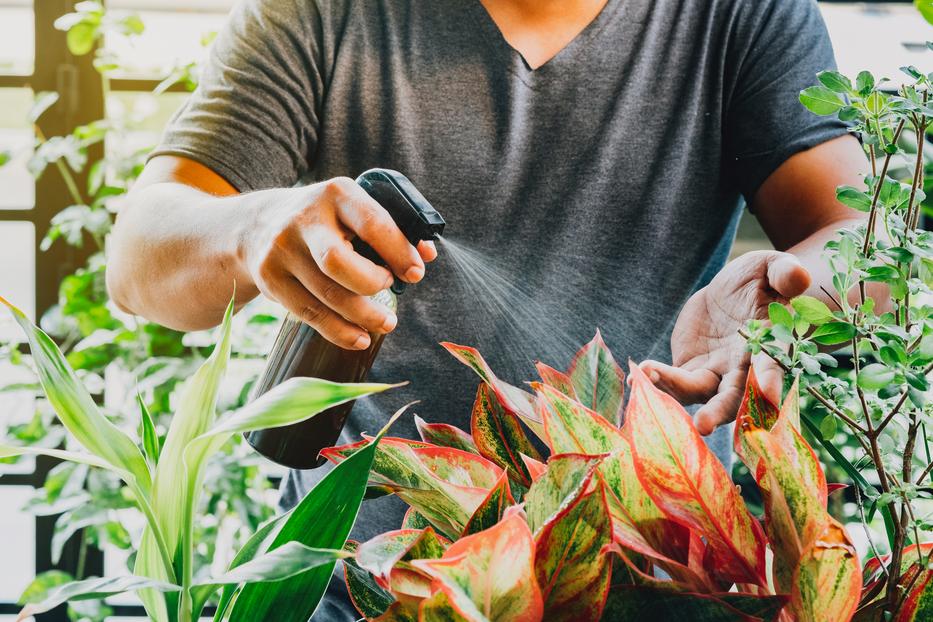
[(599, 150)]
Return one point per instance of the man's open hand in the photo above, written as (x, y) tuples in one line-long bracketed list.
[(710, 358)]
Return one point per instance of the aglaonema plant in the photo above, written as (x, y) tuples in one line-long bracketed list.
[(883, 403), (638, 522), (283, 570)]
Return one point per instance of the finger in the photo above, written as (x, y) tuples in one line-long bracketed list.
[(293, 296), (722, 408), (787, 276), (770, 377), (360, 310), (371, 222), (687, 386), (335, 257), (428, 250)]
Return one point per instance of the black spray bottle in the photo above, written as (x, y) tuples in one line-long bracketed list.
[(299, 350)]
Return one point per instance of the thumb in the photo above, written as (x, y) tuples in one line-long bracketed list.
[(787, 276)]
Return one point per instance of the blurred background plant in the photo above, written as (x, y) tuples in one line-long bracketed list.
[(108, 347)]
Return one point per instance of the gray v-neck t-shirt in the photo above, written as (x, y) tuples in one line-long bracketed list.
[(599, 190)]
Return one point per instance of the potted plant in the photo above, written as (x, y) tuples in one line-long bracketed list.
[(293, 553)]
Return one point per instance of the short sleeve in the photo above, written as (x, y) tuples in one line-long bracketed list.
[(776, 48), (254, 117)]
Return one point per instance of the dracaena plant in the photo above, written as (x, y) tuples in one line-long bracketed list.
[(883, 402), (291, 555), (638, 522)]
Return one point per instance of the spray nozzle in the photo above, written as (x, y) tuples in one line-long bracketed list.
[(417, 218)]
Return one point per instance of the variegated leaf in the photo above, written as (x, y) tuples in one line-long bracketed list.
[(571, 427), (414, 520), (367, 596), (399, 612), (557, 379), (794, 516), (571, 567), (598, 379), (918, 604), (536, 468), (565, 480), (755, 412), (828, 581), (801, 455), (445, 435), (380, 554), (689, 484), (490, 575), (516, 400), (443, 484), (493, 507), (438, 608), (499, 436)]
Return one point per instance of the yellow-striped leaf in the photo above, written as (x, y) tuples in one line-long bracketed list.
[(828, 581), (493, 507), (445, 435)]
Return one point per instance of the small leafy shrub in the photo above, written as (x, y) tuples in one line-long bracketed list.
[(295, 551), (640, 522), (882, 402)]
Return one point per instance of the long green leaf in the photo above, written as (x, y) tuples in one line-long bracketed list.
[(76, 408), (93, 588), (323, 519), (175, 481), (288, 560)]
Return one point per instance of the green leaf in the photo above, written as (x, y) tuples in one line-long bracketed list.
[(854, 198), (820, 100), (369, 598), (42, 102), (875, 376), (288, 560), (812, 310), (322, 520), (81, 38), (828, 427), (780, 316), (43, 584), (148, 433), (77, 410), (94, 588), (835, 81), (864, 83), (926, 9), (833, 333)]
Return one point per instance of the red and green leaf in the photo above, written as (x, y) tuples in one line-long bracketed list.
[(690, 485), (828, 580), (557, 379), (490, 575), (444, 485), (571, 566), (493, 507), (438, 608), (499, 436), (366, 594), (379, 555), (519, 402), (756, 412), (565, 480), (918, 604), (445, 435), (598, 379)]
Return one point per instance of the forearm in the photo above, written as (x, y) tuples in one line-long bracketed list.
[(175, 254), (810, 253)]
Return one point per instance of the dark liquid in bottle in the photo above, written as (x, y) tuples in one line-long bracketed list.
[(299, 350)]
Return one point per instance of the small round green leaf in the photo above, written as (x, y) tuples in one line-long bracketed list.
[(780, 316), (833, 333), (875, 376), (812, 310), (835, 81), (820, 100)]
